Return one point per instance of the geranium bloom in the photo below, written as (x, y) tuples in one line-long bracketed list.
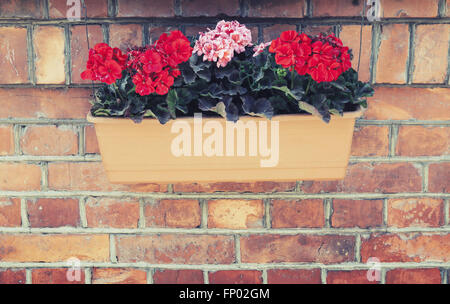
[(104, 64)]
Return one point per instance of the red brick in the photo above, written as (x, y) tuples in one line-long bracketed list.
[(20, 177), (319, 186), (431, 53), (184, 213), (6, 140), (50, 58), (370, 141), (409, 8), (79, 48), (90, 138), (414, 276), (348, 277), (10, 212), (210, 8), (125, 36), (156, 31), (169, 276), (350, 37), (274, 31), (118, 276), (326, 8), (409, 103), (423, 141), (235, 214), (95, 9), (89, 176), (54, 276), (13, 55), (21, 9), (49, 140), (44, 103), (53, 247), (293, 276), (279, 8), (145, 8), (254, 187), (300, 248), (112, 213), (12, 276), (297, 213), (357, 213), (53, 212), (317, 29), (176, 248), (393, 54), (235, 277), (194, 31), (439, 177), (406, 247), (421, 212)]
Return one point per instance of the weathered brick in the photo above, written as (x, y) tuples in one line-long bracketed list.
[(176, 248), (423, 141), (235, 187), (350, 37), (145, 8), (319, 186), (118, 276), (370, 141), (155, 32), (349, 277), (186, 276), (183, 213), (406, 247), (279, 8), (21, 9), (393, 54), (12, 276), (421, 212), (95, 9), (235, 277), (357, 213), (49, 140), (53, 212), (293, 276), (79, 48), (409, 103), (317, 29), (50, 59), (409, 8), (89, 176), (274, 31), (90, 138), (54, 276), (431, 53), (439, 177), (414, 276), (300, 248), (125, 36), (53, 247), (10, 212), (112, 213), (191, 8), (6, 140), (235, 214), (326, 8), (44, 103), (297, 213), (20, 177), (13, 55)]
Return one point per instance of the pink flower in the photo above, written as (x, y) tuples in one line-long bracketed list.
[(260, 48)]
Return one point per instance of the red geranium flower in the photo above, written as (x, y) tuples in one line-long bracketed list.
[(104, 64)]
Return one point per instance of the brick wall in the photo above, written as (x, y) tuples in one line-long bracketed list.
[(56, 202)]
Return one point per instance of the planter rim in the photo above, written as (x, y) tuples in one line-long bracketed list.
[(282, 117)]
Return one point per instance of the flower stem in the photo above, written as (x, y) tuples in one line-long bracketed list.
[(292, 79), (309, 84)]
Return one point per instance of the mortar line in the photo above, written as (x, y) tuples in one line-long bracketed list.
[(375, 46), (150, 273), (24, 213), (393, 137), (81, 140), (383, 276), (17, 134), (267, 213), (112, 249), (358, 248), (205, 277), (264, 276), (142, 222), (88, 275), (448, 62), (446, 212), (328, 211), (44, 176), (411, 53), (385, 212), (30, 55), (28, 276), (204, 213), (67, 54), (323, 275), (82, 206), (425, 172), (177, 7), (45, 9), (442, 7), (237, 248)]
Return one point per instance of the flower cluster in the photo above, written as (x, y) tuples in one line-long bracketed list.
[(219, 45), (105, 64), (323, 57), (155, 67)]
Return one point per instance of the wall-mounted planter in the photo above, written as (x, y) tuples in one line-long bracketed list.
[(309, 149)]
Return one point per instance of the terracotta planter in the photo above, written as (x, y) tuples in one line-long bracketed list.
[(309, 149)]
